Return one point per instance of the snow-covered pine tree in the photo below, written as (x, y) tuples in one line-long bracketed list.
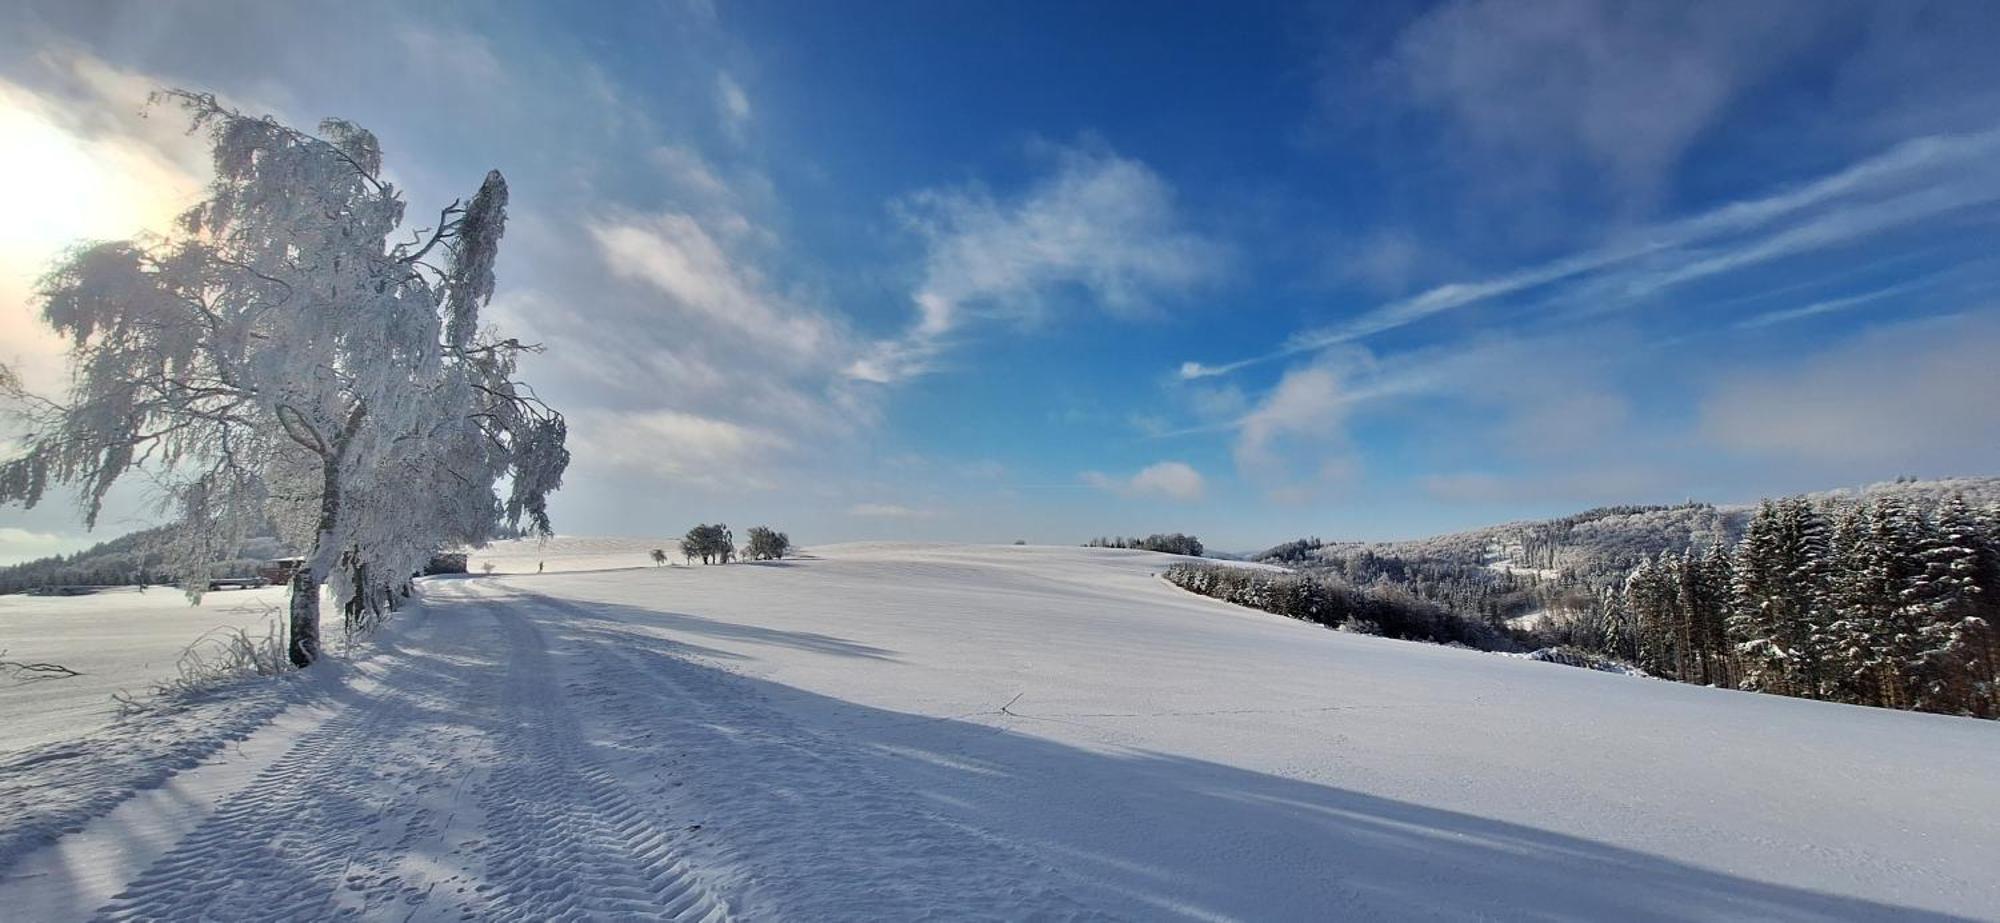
[(1780, 621), (1651, 597), (1806, 555), (1706, 597), (279, 359), (1891, 575), (1854, 599), (1943, 598)]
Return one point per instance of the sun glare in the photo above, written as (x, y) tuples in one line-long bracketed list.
[(59, 188)]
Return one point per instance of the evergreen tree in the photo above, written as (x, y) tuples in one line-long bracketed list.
[(1943, 599), (1651, 596), (1855, 598), (1781, 623), (1705, 602)]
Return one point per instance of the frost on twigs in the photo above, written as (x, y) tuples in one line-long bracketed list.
[(214, 660)]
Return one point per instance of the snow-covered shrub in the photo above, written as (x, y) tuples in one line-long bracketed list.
[(216, 659), (767, 545), (713, 544), (1578, 657)]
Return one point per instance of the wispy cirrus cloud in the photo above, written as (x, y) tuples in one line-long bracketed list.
[(707, 285), (1920, 179), (1100, 223)]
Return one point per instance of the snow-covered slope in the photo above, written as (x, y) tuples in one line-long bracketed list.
[(897, 731), (119, 640)]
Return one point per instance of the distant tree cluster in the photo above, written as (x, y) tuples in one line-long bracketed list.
[(767, 545), (713, 544), (1382, 611), (140, 558), (1880, 604), (1173, 543)]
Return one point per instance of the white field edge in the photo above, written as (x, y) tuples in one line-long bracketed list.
[(890, 731)]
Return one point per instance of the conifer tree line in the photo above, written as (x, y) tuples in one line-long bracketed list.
[(1883, 604), (1168, 543), (1376, 610)]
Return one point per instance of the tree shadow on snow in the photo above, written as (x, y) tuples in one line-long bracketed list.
[(1142, 825), (613, 616)]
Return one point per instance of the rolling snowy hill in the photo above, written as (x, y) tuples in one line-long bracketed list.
[(894, 731)]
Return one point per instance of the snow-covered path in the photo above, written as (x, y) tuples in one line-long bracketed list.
[(898, 732)]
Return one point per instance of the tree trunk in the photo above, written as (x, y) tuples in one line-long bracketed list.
[(304, 646)]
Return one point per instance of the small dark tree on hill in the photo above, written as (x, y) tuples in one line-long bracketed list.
[(766, 545)]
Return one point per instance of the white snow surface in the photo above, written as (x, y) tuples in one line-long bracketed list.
[(121, 640), (900, 731)]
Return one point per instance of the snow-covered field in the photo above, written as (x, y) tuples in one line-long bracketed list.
[(893, 731), (120, 640)]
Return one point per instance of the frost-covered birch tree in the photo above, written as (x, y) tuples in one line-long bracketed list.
[(291, 355)]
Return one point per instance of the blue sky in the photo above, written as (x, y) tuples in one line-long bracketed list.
[(1032, 270)]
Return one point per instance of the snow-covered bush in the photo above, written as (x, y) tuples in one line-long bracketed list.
[(767, 545), (713, 544)]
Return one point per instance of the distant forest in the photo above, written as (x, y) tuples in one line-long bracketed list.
[(139, 559), (1167, 543), (1887, 595)]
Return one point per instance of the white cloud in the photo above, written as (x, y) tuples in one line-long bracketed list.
[(676, 446), (1623, 89), (1308, 404), (691, 173), (461, 55), (1833, 305), (676, 254), (733, 105), (1914, 394), (1601, 483), (1171, 479), (1102, 224), (17, 545), (888, 511), (1295, 439)]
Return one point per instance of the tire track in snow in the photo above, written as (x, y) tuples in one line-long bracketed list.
[(315, 834), (563, 839), (806, 827), (51, 790), (362, 817)]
